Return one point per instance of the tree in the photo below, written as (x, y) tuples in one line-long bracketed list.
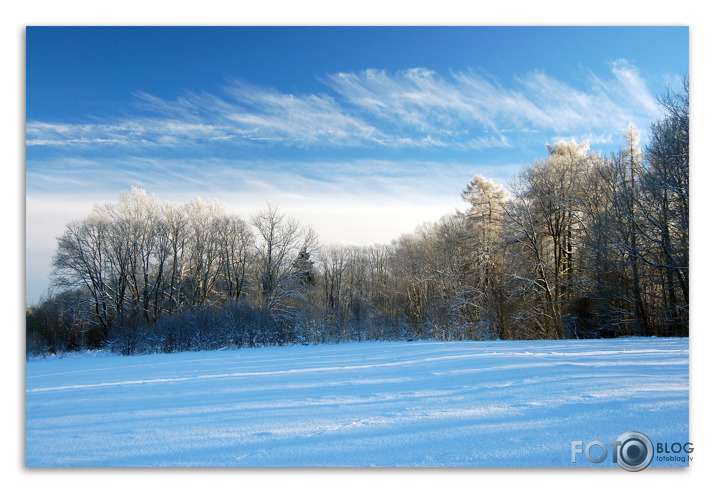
[(135, 267), (485, 221), (665, 207), (633, 156), (81, 263), (235, 240), (333, 264), (280, 242), (203, 243), (616, 187), (173, 229), (546, 222)]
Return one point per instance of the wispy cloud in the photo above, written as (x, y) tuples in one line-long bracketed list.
[(415, 108), (137, 133), (471, 110), (313, 180), (629, 86)]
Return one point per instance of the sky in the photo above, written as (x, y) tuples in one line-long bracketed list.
[(362, 132)]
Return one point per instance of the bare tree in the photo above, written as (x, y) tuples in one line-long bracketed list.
[(333, 262), (665, 206), (235, 240), (280, 242), (134, 234), (81, 262), (173, 228), (546, 220), (203, 271)]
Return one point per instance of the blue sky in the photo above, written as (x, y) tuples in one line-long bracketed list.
[(362, 132)]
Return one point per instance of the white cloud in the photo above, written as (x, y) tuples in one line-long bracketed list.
[(415, 108), (417, 98), (467, 109), (630, 80)]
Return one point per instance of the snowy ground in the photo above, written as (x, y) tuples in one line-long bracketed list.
[(369, 404)]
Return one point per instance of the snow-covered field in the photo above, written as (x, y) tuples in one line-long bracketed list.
[(503, 403)]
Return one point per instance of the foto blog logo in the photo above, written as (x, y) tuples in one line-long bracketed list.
[(633, 451)]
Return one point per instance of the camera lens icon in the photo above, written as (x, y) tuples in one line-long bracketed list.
[(635, 452)]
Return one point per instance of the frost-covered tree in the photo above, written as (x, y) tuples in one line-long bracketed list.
[(204, 254), (545, 219), (173, 231), (235, 246), (665, 207), (136, 267), (484, 241), (280, 242), (80, 262)]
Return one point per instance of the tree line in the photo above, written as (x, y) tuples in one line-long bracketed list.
[(578, 245)]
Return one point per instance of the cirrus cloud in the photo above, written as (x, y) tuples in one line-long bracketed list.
[(415, 108)]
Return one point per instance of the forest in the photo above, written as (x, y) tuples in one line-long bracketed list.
[(578, 245)]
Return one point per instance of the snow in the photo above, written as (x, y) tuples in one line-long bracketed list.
[(483, 404)]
